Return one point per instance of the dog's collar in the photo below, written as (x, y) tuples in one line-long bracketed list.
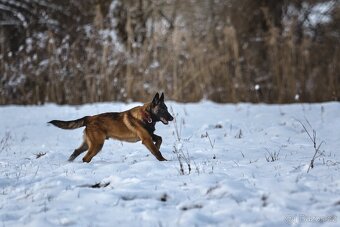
[(146, 117)]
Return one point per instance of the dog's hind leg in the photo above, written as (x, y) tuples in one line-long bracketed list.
[(93, 150), (82, 148), (95, 141)]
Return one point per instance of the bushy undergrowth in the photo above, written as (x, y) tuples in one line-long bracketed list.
[(191, 50)]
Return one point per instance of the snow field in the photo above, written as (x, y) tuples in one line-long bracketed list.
[(229, 165)]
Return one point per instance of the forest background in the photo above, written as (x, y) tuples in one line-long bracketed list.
[(75, 52)]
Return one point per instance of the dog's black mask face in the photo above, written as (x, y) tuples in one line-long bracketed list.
[(160, 110)]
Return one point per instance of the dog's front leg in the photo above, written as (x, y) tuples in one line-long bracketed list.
[(158, 140), (147, 141), (152, 147)]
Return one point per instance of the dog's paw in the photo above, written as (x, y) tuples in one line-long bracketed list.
[(162, 159)]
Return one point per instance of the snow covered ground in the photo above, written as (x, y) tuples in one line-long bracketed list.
[(248, 166)]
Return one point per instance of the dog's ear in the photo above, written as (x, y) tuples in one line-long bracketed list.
[(155, 99), (161, 99)]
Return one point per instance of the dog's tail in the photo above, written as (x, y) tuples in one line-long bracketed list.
[(69, 124)]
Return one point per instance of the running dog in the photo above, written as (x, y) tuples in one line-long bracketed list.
[(136, 124)]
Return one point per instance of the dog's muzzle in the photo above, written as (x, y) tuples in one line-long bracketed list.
[(167, 119)]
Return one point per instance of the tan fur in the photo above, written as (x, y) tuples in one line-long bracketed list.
[(126, 126)]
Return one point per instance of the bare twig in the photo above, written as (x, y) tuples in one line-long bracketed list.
[(178, 128), (316, 147), (239, 134), (182, 157), (273, 156), (39, 155), (212, 143), (4, 142)]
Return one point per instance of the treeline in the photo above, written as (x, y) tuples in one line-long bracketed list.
[(73, 52)]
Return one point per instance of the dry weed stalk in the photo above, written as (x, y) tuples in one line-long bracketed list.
[(182, 159), (5, 142), (312, 137), (190, 57)]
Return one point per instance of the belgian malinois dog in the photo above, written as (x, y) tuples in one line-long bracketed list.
[(136, 124)]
